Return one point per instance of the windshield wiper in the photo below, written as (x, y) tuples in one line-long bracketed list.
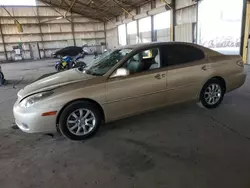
[(95, 74)]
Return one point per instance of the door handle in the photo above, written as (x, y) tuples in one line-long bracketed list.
[(159, 76), (205, 67)]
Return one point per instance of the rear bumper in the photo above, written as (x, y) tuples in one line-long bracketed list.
[(236, 81)]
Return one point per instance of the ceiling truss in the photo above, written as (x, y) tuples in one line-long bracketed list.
[(102, 10)]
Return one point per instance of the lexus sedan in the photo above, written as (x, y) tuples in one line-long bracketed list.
[(124, 82)]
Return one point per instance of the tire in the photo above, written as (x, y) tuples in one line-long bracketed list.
[(67, 67), (73, 65), (80, 64), (59, 68), (1, 78), (68, 120), (218, 93)]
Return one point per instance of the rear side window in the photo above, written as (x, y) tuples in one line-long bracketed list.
[(177, 54)]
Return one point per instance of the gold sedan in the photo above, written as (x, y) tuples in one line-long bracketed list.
[(124, 82)]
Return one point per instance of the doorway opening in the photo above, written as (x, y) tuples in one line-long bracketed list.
[(220, 24)]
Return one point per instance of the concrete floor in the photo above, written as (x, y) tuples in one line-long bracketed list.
[(183, 146)]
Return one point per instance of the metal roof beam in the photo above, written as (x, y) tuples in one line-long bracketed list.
[(72, 4), (102, 10), (78, 12), (95, 8), (120, 6)]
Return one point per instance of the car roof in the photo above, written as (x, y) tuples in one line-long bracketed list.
[(153, 44), (137, 47)]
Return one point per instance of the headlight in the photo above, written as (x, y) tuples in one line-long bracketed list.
[(33, 99)]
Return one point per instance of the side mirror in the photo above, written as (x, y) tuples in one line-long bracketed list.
[(121, 72)]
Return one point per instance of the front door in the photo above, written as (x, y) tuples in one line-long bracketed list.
[(142, 90)]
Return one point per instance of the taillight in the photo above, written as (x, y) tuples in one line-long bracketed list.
[(240, 63)]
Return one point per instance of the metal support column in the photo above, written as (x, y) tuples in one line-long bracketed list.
[(137, 27), (245, 34), (173, 21), (2, 37), (73, 29), (126, 29), (105, 35), (138, 40), (41, 33), (153, 31)]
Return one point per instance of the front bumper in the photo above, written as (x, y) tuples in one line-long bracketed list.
[(30, 120)]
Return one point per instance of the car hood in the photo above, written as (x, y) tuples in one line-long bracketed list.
[(54, 81)]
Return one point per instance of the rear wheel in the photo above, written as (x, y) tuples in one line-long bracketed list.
[(212, 93), (80, 120), (80, 64)]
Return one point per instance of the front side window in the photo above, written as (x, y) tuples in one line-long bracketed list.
[(108, 60), (178, 54), (144, 61)]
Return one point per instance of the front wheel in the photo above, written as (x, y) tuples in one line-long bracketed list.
[(212, 93), (80, 120), (59, 67)]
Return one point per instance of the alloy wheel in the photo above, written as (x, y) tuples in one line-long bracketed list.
[(213, 94), (81, 122)]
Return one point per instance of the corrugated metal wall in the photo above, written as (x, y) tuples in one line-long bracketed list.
[(185, 28), (184, 33), (186, 21), (51, 35), (179, 4), (111, 34)]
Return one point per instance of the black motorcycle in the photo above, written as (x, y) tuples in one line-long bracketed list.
[(69, 58), (68, 62)]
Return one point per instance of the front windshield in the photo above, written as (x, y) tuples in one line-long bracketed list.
[(106, 61)]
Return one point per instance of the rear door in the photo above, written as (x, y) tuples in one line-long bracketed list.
[(187, 70)]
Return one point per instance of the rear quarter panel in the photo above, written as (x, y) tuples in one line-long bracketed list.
[(226, 67)]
